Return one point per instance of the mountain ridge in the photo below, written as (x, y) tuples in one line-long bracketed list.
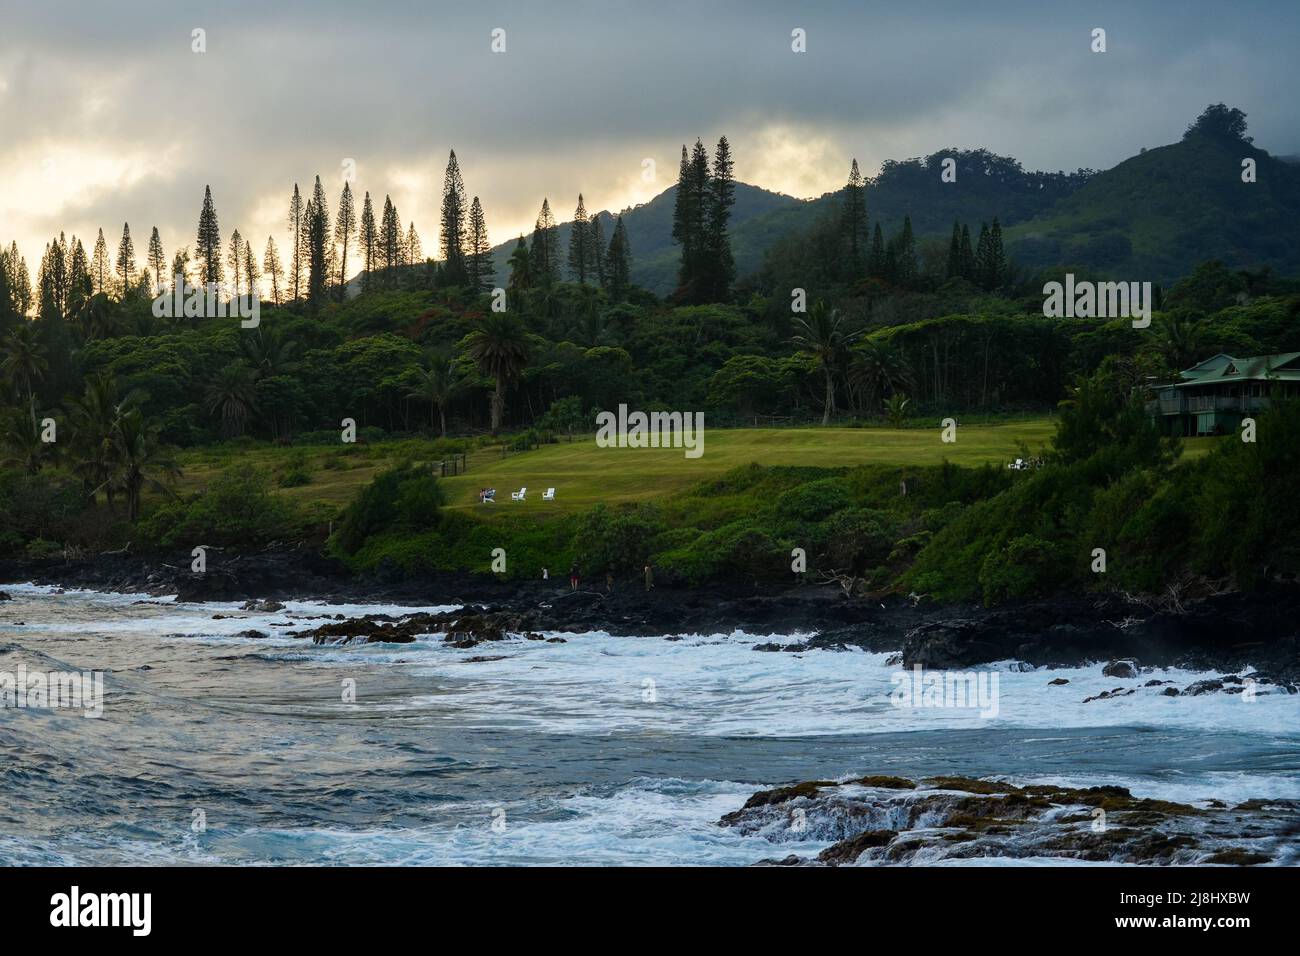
[(1155, 215)]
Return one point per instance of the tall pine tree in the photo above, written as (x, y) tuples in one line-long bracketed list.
[(906, 262), (482, 272), (208, 242), (414, 248), (521, 267), (345, 230), (967, 255), (125, 262), (876, 261), (235, 259), (319, 246), (855, 218), (580, 258), (271, 265), (544, 253), (80, 288), (596, 234), (454, 225), (101, 267), (368, 238), (683, 214), (157, 261), (952, 269), (295, 222), (618, 261), (719, 266), (391, 241), (997, 258), (982, 258), (251, 272)]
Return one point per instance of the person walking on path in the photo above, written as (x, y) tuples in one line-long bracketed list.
[(649, 577), (574, 578)]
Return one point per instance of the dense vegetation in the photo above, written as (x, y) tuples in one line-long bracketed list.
[(851, 322)]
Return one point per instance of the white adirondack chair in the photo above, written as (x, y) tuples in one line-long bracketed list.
[(549, 495), (518, 495)]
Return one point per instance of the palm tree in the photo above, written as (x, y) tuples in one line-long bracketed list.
[(20, 441), (821, 334), (896, 409), (94, 417), (232, 397), (268, 353), (438, 385), (24, 361), (499, 349), (1179, 339), (141, 460), (876, 368)]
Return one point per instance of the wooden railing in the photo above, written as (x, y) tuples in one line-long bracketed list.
[(1191, 404)]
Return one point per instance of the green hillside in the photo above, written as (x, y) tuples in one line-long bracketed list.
[(650, 228), (1156, 215)]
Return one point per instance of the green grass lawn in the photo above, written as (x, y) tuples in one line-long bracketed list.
[(1196, 447), (584, 475), (334, 486)]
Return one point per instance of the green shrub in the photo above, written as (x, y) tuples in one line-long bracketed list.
[(237, 510), (295, 472), (50, 506), (619, 539), (40, 548), (1026, 567), (859, 537), (814, 500), (403, 499)]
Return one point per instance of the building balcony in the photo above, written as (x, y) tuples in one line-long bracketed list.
[(1194, 404)]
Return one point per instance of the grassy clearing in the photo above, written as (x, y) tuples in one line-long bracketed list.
[(584, 475), (335, 476)]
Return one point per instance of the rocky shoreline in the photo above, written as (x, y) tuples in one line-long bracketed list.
[(1229, 633), (884, 820)]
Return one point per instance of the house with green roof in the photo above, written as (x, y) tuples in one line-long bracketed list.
[(1212, 398)]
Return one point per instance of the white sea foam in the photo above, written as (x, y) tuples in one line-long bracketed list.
[(708, 686), (718, 685), (699, 684)]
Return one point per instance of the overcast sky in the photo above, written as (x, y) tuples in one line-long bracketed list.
[(106, 114)]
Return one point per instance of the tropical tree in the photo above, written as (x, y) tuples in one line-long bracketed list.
[(500, 350), (437, 383), (1178, 339), (24, 363), (896, 409), (20, 440), (94, 417), (877, 368), (142, 461), (821, 334), (232, 397), (268, 352)]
